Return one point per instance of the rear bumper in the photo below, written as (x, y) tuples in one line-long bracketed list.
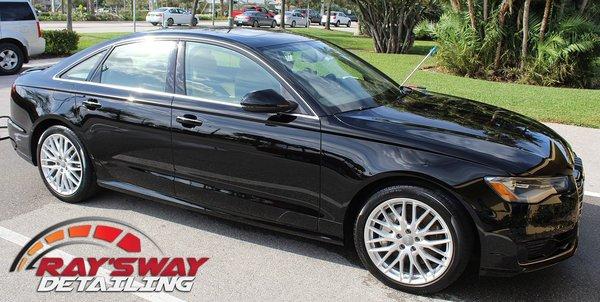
[(20, 140), (36, 46)]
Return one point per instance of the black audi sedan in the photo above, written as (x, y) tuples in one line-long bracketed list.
[(300, 136)]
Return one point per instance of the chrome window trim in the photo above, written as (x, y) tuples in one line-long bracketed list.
[(58, 75)]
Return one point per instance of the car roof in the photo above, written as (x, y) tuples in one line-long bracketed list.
[(248, 37)]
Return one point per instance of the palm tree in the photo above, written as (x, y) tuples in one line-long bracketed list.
[(471, 8), (525, 33), (70, 15), (327, 23), (544, 25)]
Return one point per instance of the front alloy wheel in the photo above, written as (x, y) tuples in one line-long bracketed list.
[(408, 240), (413, 239), (11, 58)]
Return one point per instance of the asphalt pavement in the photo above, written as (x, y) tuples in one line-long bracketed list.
[(249, 263)]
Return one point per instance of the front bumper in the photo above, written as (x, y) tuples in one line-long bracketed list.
[(516, 237)]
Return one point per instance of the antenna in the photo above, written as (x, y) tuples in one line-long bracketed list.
[(432, 51)]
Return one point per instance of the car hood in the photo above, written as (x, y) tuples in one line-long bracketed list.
[(465, 129)]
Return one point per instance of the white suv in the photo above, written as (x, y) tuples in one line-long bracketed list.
[(170, 15), (337, 19), (20, 35)]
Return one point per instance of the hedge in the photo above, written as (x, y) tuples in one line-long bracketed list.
[(60, 42)]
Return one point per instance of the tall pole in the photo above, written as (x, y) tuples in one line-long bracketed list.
[(134, 21), (230, 14)]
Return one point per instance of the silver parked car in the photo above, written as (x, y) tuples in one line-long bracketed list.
[(293, 19)]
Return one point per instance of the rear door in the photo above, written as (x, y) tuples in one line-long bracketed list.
[(126, 115)]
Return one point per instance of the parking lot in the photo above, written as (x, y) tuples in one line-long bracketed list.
[(254, 264)]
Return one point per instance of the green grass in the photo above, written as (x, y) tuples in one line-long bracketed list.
[(561, 105), (88, 39)]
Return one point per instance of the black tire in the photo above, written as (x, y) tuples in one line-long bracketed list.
[(255, 24), (337, 24), (349, 23), (88, 184), (294, 23), (447, 208), (194, 22), (170, 22), (20, 57), (154, 23), (238, 25), (273, 24)]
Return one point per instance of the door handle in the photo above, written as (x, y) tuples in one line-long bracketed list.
[(189, 121), (91, 104)]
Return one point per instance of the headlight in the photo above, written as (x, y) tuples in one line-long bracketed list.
[(527, 189)]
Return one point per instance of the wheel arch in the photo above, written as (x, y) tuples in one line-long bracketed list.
[(19, 44), (403, 178), (40, 126)]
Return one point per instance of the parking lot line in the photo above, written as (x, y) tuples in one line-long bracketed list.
[(21, 240), (593, 194)]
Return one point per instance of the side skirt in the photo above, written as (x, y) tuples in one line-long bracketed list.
[(155, 196)]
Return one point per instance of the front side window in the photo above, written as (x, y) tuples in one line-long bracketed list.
[(220, 74), (139, 65), (82, 70), (332, 76), (16, 11)]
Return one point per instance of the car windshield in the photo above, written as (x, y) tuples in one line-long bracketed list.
[(162, 9), (250, 13), (333, 77)]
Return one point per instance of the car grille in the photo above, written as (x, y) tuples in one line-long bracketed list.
[(548, 247)]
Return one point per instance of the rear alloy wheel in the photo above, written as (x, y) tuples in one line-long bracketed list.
[(413, 239), (293, 23), (64, 165), (170, 22), (349, 23), (337, 24), (194, 22), (255, 24), (11, 58)]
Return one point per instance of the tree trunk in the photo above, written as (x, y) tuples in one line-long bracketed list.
[(282, 14), (486, 10), (194, 8), (455, 5), (472, 16), (62, 6), (583, 5), (328, 20), (525, 33), (70, 15), (504, 7), (544, 25), (90, 7), (222, 8)]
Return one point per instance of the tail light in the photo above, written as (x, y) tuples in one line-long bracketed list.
[(333, 17), (39, 30)]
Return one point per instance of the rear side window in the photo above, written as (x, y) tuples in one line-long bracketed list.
[(139, 65), (82, 70), (16, 11)]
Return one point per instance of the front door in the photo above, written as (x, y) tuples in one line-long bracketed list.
[(261, 166), (126, 116)]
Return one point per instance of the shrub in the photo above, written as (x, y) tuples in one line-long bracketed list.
[(425, 30), (60, 42)]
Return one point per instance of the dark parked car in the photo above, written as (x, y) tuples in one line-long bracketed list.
[(254, 19), (314, 16), (297, 135), (352, 17)]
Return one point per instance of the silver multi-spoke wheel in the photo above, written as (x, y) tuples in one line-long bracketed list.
[(61, 164), (408, 241), (8, 59)]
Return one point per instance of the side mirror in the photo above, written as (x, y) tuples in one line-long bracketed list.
[(268, 101)]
